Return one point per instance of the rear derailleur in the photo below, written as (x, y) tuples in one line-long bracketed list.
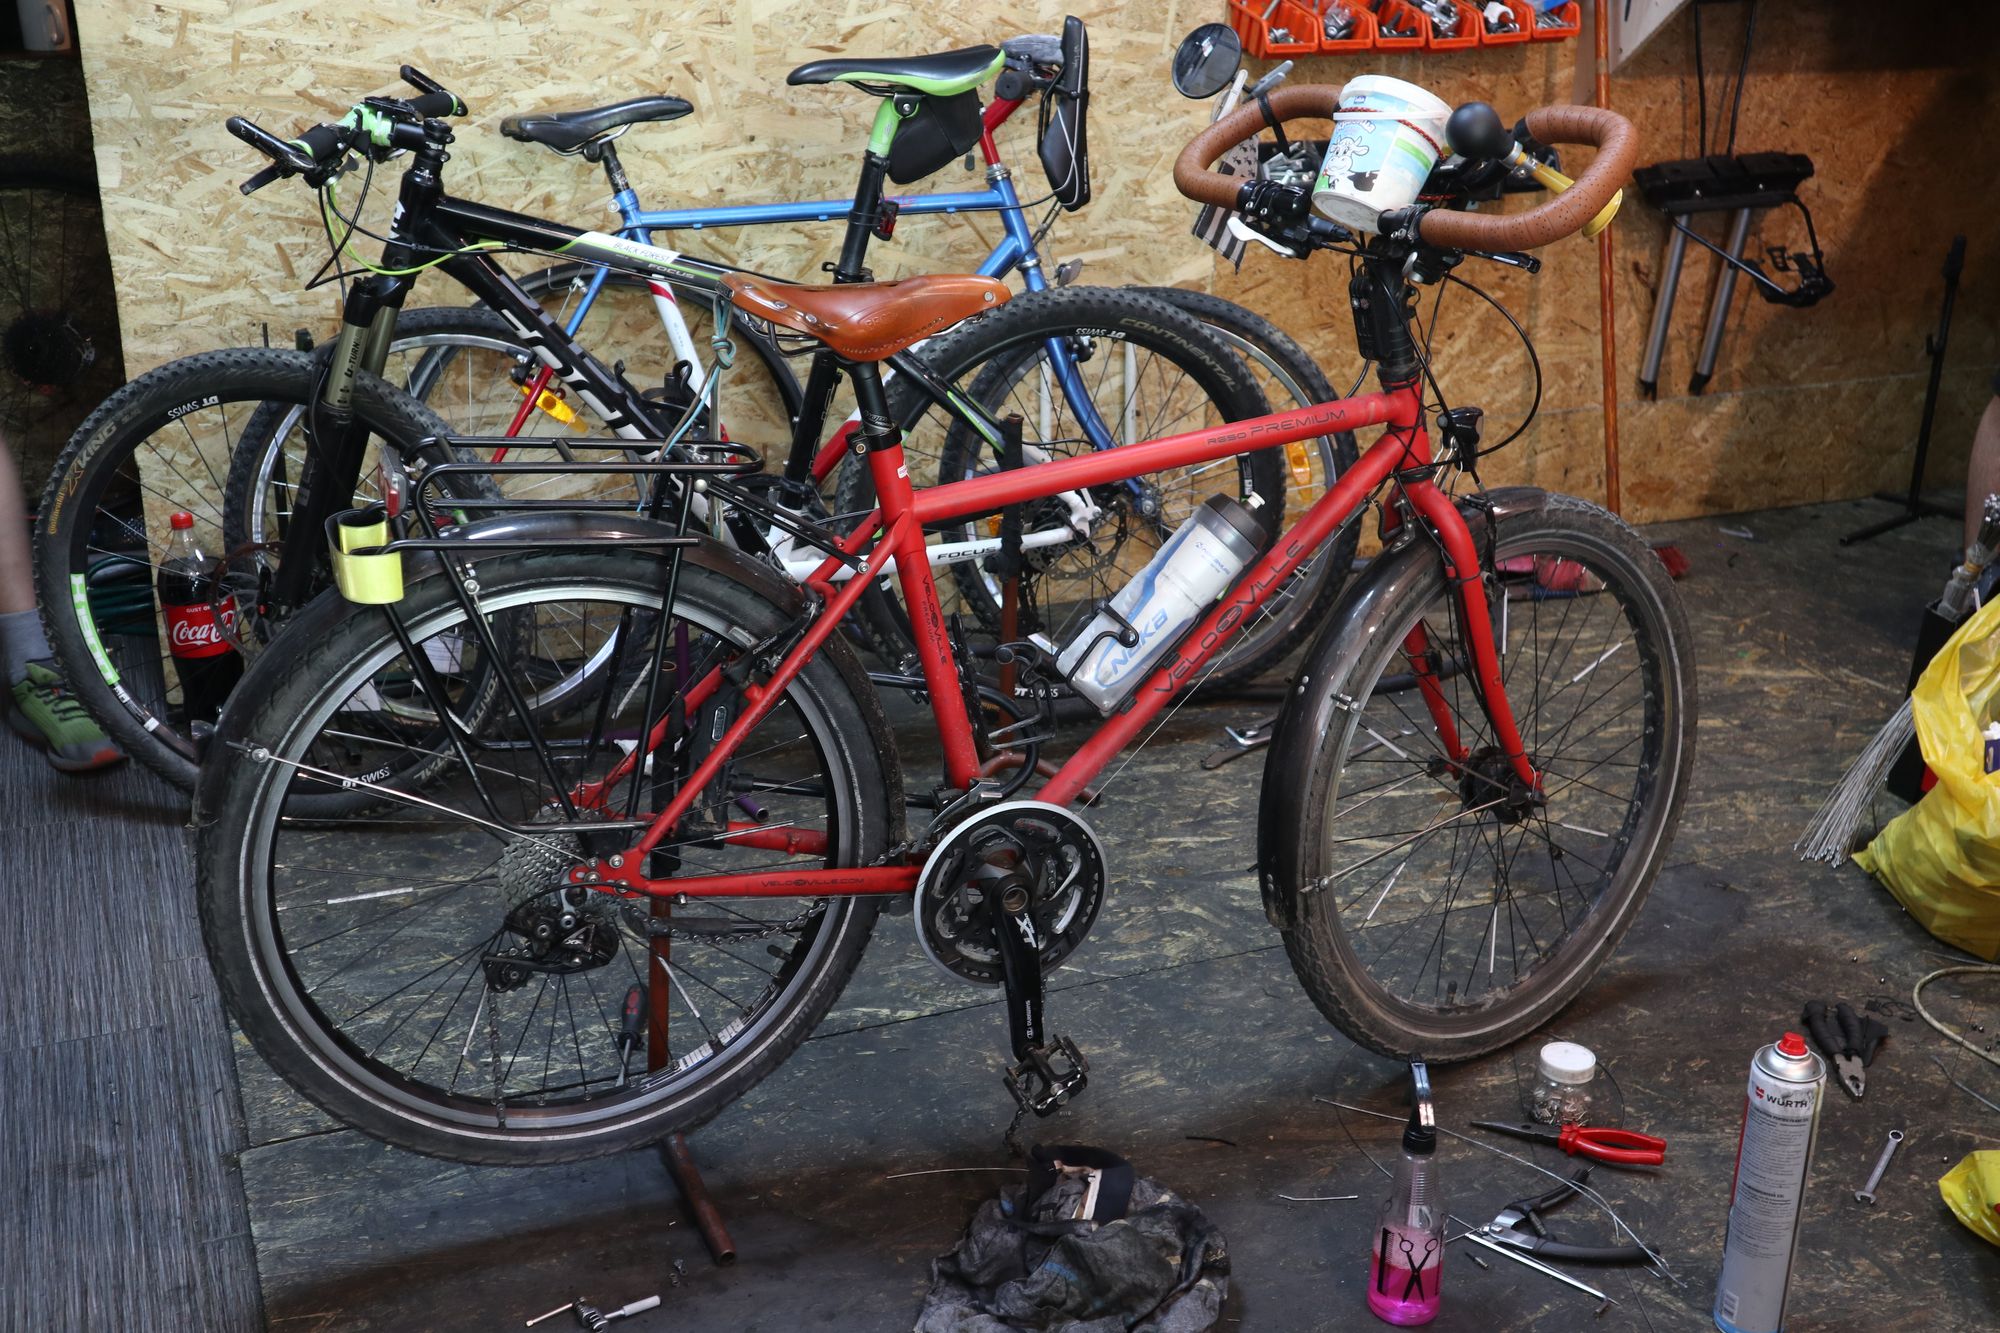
[(557, 934)]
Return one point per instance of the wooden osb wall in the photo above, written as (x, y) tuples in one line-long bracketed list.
[(1807, 405)]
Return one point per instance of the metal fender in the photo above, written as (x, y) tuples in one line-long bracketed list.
[(1316, 690)]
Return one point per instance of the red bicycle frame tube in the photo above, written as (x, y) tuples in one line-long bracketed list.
[(1402, 454)]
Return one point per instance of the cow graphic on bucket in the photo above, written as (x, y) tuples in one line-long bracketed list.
[(1396, 131)]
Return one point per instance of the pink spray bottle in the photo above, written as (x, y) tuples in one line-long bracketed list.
[(1407, 1258)]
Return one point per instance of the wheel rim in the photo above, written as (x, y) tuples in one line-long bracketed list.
[(285, 883), (1452, 903)]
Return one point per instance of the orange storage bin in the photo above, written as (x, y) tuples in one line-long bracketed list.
[(1524, 25), (1401, 16), (1470, 26), (1361, 39), (1572, 22), (1256, 20)]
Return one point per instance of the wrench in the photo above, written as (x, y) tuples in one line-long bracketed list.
[(1866, 1194)]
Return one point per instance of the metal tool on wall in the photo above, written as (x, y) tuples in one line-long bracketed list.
[(1914, 505), (1739, 186)]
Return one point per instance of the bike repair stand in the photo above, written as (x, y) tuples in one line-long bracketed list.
[(1914, 505), (1007, 565)]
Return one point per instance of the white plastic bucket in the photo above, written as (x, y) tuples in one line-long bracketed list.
[(1387, 135)]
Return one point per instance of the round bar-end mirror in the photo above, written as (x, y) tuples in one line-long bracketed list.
[(1207, 60)]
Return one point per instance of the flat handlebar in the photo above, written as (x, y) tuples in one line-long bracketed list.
[(1616, 141)]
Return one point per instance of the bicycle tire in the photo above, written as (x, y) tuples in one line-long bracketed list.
[(102, 461), (59, 346), (242, 872), (1307, 600), (1321, 867), (997, 344)]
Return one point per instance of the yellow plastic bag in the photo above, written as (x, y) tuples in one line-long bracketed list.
[(1972, 1190), (1941, 857)]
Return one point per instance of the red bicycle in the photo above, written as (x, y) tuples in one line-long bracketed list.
[(498, 937)]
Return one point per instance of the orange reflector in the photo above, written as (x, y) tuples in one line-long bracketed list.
[(1298, 455), (553, 406)]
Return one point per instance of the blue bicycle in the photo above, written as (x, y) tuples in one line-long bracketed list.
[(1096, 389)]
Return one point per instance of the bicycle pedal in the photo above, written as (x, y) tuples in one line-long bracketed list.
[(1048, 1076)]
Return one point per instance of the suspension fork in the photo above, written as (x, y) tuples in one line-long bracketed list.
[(337, 443)]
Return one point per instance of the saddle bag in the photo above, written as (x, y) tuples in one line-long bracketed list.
[(944, 128)]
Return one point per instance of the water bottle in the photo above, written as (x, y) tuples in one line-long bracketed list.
[(1407, 1259), (1189, 572), (198, 631)]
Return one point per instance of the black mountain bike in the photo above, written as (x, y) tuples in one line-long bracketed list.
[(164, 442)]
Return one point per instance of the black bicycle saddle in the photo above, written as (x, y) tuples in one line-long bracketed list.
[(567, 131), (944, 74)]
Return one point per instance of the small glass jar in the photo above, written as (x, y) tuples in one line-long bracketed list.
[(1561, 1094)]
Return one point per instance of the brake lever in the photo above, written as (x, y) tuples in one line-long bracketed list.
[(1268, 82), (1511, 258), (261, 179)]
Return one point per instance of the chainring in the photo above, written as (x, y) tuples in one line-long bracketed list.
[(1056, 851)]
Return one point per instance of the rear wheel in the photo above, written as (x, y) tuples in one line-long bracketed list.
[(1439, 910), (426, 975)]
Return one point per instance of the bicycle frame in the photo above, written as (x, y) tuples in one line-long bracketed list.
[(1015, 250), (1401, 456)]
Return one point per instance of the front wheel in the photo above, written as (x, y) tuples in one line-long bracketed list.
[(1431, 908), (162, 443), (417, 964)]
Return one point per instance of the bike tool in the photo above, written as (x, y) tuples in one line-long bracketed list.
[(1846, 1038), (1518, 1227), (1619, 1147), (588, 1316)]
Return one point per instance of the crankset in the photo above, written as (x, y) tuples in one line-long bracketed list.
[(1041, 855)]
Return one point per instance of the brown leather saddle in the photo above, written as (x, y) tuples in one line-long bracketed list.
[(867, 321)]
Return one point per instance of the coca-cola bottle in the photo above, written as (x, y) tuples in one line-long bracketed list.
[(198, 630)]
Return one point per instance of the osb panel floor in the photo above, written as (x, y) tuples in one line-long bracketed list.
[(1207, 1063), (1207, 1060)]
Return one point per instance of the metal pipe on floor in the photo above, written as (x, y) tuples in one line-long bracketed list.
[(707, 1218)]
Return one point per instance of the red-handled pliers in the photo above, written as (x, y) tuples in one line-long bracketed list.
[(1620, 1147)]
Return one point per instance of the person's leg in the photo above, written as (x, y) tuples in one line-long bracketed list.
[(44, 712), (21, 638), (1982, 470)]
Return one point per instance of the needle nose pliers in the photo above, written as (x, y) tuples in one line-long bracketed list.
[(1847, 1039), (1621, 1147)]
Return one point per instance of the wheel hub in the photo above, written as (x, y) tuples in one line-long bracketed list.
[(1486, 776), (47, 349)]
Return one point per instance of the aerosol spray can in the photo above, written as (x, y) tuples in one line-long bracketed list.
[(1780, 1123)]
